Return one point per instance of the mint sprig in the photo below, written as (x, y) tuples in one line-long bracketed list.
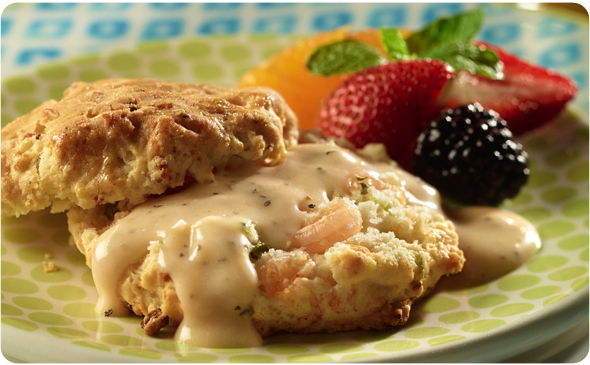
[(446, 39), (342, 57)]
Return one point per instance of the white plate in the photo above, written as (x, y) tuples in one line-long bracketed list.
[(49, 317)]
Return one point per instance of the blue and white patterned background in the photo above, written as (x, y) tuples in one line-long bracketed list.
[(33, 34)]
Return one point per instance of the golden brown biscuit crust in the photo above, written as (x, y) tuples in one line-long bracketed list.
[(126, 139)]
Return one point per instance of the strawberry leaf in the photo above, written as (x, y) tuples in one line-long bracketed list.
[(342, 57)]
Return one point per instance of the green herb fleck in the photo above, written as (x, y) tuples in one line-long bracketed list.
[(364, 188), (111, 210), (382, 203), (257, 251)]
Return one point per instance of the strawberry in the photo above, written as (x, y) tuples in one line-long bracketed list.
[(528, 96), (389, 103)]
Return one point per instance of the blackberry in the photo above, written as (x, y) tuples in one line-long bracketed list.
[(469, 155)]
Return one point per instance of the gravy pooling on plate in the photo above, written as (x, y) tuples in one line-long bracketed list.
[(199, 232)]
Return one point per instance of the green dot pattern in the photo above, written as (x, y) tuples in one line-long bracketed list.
[(61, 304)]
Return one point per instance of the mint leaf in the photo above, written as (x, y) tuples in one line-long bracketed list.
[(461, 27), (394, 44), (342, 57), (467, 56)]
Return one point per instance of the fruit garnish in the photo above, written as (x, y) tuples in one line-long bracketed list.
[(446, 39), (527, 97), (286, 72), (389, 104), (469, 155)]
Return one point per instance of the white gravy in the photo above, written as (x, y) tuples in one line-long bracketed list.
[(204, 221)]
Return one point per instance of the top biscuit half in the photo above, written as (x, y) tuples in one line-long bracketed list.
[(126, 139)]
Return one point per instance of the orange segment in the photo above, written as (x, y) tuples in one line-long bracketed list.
[(286, 73)]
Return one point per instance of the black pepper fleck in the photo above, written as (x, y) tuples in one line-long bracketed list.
[(267, 203)]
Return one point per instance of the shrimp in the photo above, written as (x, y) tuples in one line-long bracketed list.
[(339, 220)]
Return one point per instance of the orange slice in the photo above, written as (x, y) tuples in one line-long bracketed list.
[(286, 72)]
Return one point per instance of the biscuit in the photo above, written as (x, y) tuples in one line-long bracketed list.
[(127, 139), (363, 280)]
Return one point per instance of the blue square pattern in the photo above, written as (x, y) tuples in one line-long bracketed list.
[(33, 34)]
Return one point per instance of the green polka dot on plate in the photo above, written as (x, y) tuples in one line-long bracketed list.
[(9, 268), (579, 283), (426, 332), (309, 358), (167, 345), (80, 310), (123, 61), (164, 67), (396, 345), (534, 214), (65, 332), (10, 310), (143, 353), (540, 292), (34, 254), (518, 282), (286, 349), (488, 300), (546, 263), (21, 235), (522, 198), (194, 49), (20, 85), (575, 242), (556, 228), (5, 119), (562, 157), (53, 319), (558, 194), (62, 274), (554, 299), (57, 91), (577, 208), (511, 309), (34, 303), (23, 106), (195, 357), (235, 52), (207, 72), (156, 46), (231, 350), (482, 325), (541, 178), (253, 359), (584, 255), (92, 345), (578, 172), (18, 286), (445, 339), (91, 75), (363, 355), (19, 323), (54, 71), (268, 52), (87, 278), (438, 304), (86, 59), (568, 273), (459, 317), (122, 340), (66, 292)]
